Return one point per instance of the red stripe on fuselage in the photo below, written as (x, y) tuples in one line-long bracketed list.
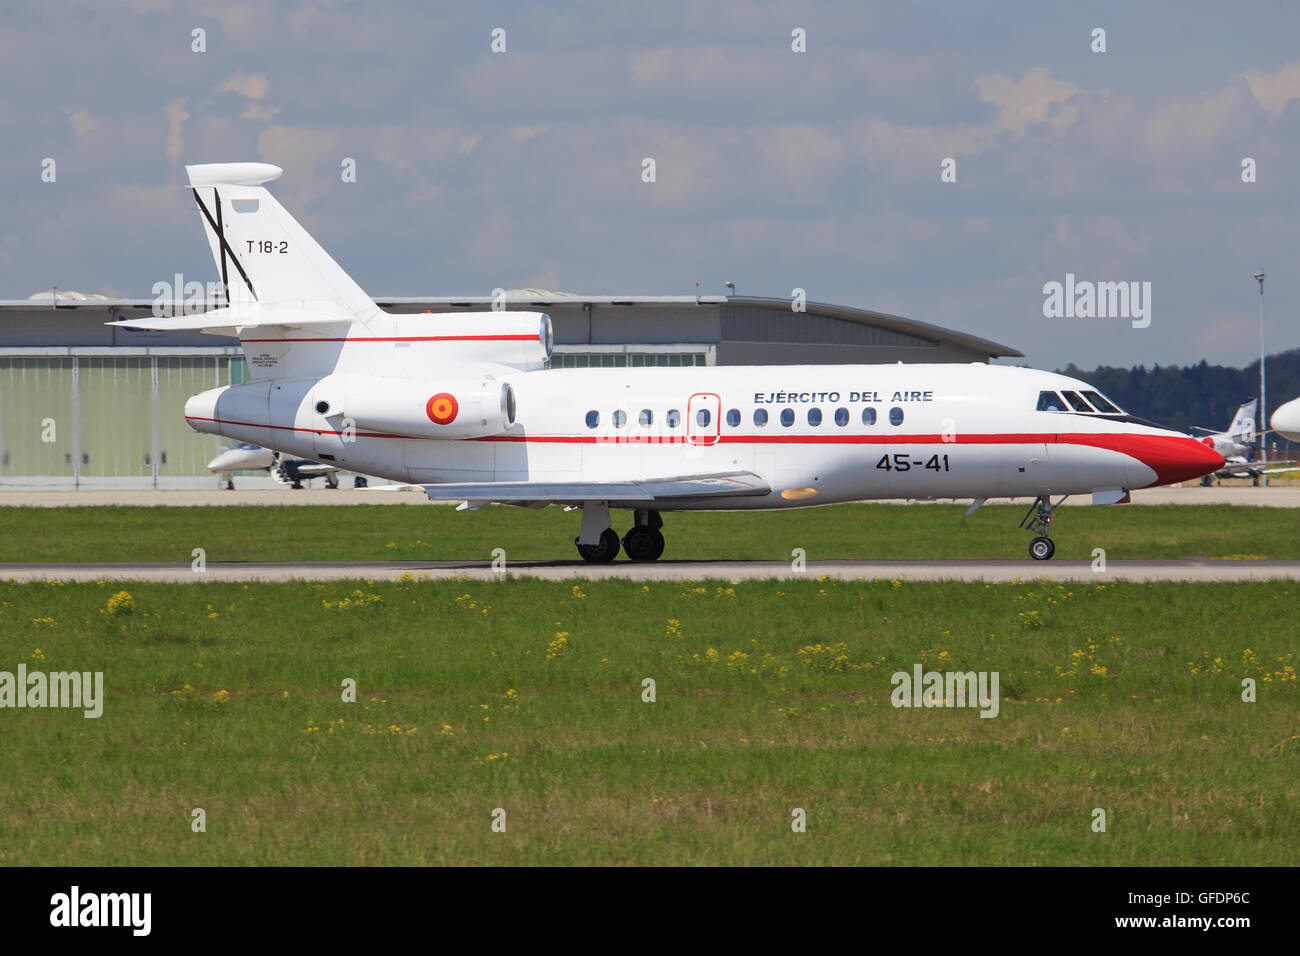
[(1137, 446)]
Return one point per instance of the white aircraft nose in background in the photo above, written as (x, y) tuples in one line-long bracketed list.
[(242, 458), (1286, 420)]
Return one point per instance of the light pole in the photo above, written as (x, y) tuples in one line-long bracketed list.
[(1262, 418)]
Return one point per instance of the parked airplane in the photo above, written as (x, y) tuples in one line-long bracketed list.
[(1237, 446), (1286, 420), (285, 470), (467, 407)]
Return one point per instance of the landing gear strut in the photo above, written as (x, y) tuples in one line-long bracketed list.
[(645, 542), (1039, 519)]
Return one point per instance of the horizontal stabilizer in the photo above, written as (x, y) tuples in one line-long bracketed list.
[(512, 492), (231, 320)]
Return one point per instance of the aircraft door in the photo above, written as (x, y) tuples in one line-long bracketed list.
[(703, 418)]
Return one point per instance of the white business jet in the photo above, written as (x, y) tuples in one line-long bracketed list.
[(1237, 445), (283, 468), (467, 407)]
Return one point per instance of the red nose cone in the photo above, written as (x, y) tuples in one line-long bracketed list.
[(1176, 459)]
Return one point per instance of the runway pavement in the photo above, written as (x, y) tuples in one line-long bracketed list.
[(732, 571)]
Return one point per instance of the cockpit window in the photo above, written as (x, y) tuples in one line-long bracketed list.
[(1050, 402), (1077, 403), (1102, 405)]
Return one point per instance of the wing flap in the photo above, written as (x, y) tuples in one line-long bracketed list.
[(729, 484)]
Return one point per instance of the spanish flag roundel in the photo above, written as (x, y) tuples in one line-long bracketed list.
[(442, 409)]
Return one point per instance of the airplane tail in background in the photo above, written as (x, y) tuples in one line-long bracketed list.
[(265, 258), (1242, 428)]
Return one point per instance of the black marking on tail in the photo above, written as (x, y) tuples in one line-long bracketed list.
[(225, 246)]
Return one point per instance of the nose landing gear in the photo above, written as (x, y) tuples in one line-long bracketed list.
[(1039, 519), (1041, 548)]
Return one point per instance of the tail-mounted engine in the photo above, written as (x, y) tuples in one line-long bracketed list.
[(432, 408)]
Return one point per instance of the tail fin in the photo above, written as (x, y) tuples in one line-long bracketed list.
[(266, 259), (1242, 428)]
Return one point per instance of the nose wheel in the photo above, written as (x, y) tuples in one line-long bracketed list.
[(1039, 519)]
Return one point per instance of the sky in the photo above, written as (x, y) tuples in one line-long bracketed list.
[(774, 169)]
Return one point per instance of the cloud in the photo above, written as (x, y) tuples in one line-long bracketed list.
[(1273, 91), (176, 115), (1032, 99), (1190, 125), (82, 122), (256, 111), (251, 85)]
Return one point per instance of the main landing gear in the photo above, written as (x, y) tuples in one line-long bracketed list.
[(1039, 519), (645, 542)]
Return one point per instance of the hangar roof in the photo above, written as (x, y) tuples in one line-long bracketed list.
[(541, 299)]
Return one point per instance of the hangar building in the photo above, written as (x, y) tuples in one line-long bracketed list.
[(84, 404)]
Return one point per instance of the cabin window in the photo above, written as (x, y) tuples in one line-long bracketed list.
[(733, 417), (868, 416), (673, 418), (787, 417), (760, 417), (703, 417), (895, 416), (841, 417), (620, 418), (646, 418), (1050, 402), (814, 416), (593, 418)]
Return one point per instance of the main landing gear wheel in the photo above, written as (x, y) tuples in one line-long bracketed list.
[(643, 544), (1040, 549), (603, 552)]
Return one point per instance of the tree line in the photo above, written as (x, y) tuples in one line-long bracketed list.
[(1202, 394)]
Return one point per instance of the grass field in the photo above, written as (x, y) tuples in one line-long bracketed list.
[(525, 695), (863, 531)]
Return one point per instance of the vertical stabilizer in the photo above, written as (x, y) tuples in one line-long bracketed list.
[(265, 258)]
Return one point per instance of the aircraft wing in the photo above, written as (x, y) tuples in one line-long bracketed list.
[(723, 485), (1247, 469)]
